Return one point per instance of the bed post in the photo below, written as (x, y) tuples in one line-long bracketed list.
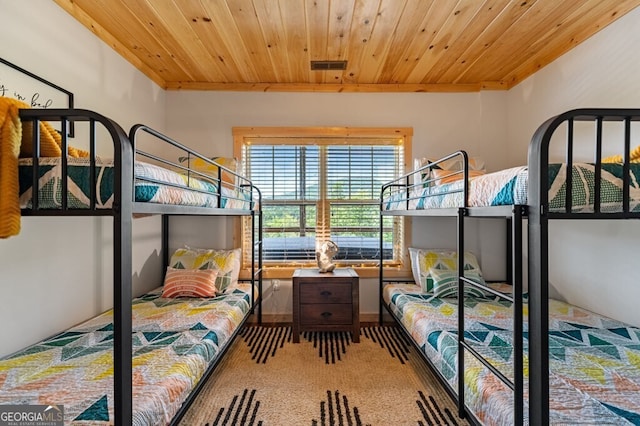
[(538, 234), (381, 267), (462, 212), (514, 269), (256, 244), (122, 276), (165, 243)]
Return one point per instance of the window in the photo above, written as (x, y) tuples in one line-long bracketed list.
[(324, 184)]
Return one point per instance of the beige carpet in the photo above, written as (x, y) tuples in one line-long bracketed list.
[(326, 379)]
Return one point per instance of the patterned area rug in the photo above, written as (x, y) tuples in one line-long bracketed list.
[(326, 379)]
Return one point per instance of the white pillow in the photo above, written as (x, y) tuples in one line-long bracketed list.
[(413, 258)]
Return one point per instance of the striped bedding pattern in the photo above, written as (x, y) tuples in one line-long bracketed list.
[(594, 361), (174, 340), (509, 186), (50, 182)]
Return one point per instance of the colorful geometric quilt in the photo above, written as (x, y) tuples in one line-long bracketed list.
[(594, 361), (174, 341), (510, 186), (153, 184)]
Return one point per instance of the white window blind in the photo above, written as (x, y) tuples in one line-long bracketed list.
[(318, 189), (354, 177)]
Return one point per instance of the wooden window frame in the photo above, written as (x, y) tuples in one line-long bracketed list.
[(291, 135)]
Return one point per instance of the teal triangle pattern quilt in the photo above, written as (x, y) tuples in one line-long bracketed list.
[(153, 184), (594, 361), (174, 341)]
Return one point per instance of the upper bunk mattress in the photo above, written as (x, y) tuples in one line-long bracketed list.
[(594, 361), (174, 341), (509, 187), (153, 184)]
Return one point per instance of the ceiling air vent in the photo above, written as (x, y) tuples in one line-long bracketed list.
[(328, 65)]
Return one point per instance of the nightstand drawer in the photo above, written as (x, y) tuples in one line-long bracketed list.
[(327, 313), (325, 293)]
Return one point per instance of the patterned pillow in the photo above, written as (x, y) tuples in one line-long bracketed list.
[(189, 283), (446, 176), (418, 163), (202, 166), (440, 172), (428, 259), (445, 283), (226, 262)]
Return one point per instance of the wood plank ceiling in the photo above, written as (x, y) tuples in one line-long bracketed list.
[(389, 45)]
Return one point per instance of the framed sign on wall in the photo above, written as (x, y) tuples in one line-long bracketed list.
[(35, 91)]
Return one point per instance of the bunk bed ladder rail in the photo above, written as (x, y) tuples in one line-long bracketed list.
[(539, 215), (514, 271)]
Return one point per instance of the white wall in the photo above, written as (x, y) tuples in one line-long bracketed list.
[(58, 271), (441, 123), (592, 264)]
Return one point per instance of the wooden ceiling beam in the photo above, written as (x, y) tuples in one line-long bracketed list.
[(326, 87)]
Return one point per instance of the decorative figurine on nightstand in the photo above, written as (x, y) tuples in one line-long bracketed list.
[(325, 255)]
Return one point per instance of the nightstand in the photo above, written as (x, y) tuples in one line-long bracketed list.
[(326, 302)]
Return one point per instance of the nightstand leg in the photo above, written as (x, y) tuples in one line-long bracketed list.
[(296, 333)]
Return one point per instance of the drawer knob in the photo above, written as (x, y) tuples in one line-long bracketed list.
[(325, 293), (325, 314)]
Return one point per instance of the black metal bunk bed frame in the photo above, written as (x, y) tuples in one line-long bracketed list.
[(123, 209), (513, 216), (538, 215)]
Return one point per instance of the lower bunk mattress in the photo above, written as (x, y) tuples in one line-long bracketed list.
[(594, 361), (174, 341), (153, 184)]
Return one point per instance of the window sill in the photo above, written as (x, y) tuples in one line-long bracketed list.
[(363, 272)]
